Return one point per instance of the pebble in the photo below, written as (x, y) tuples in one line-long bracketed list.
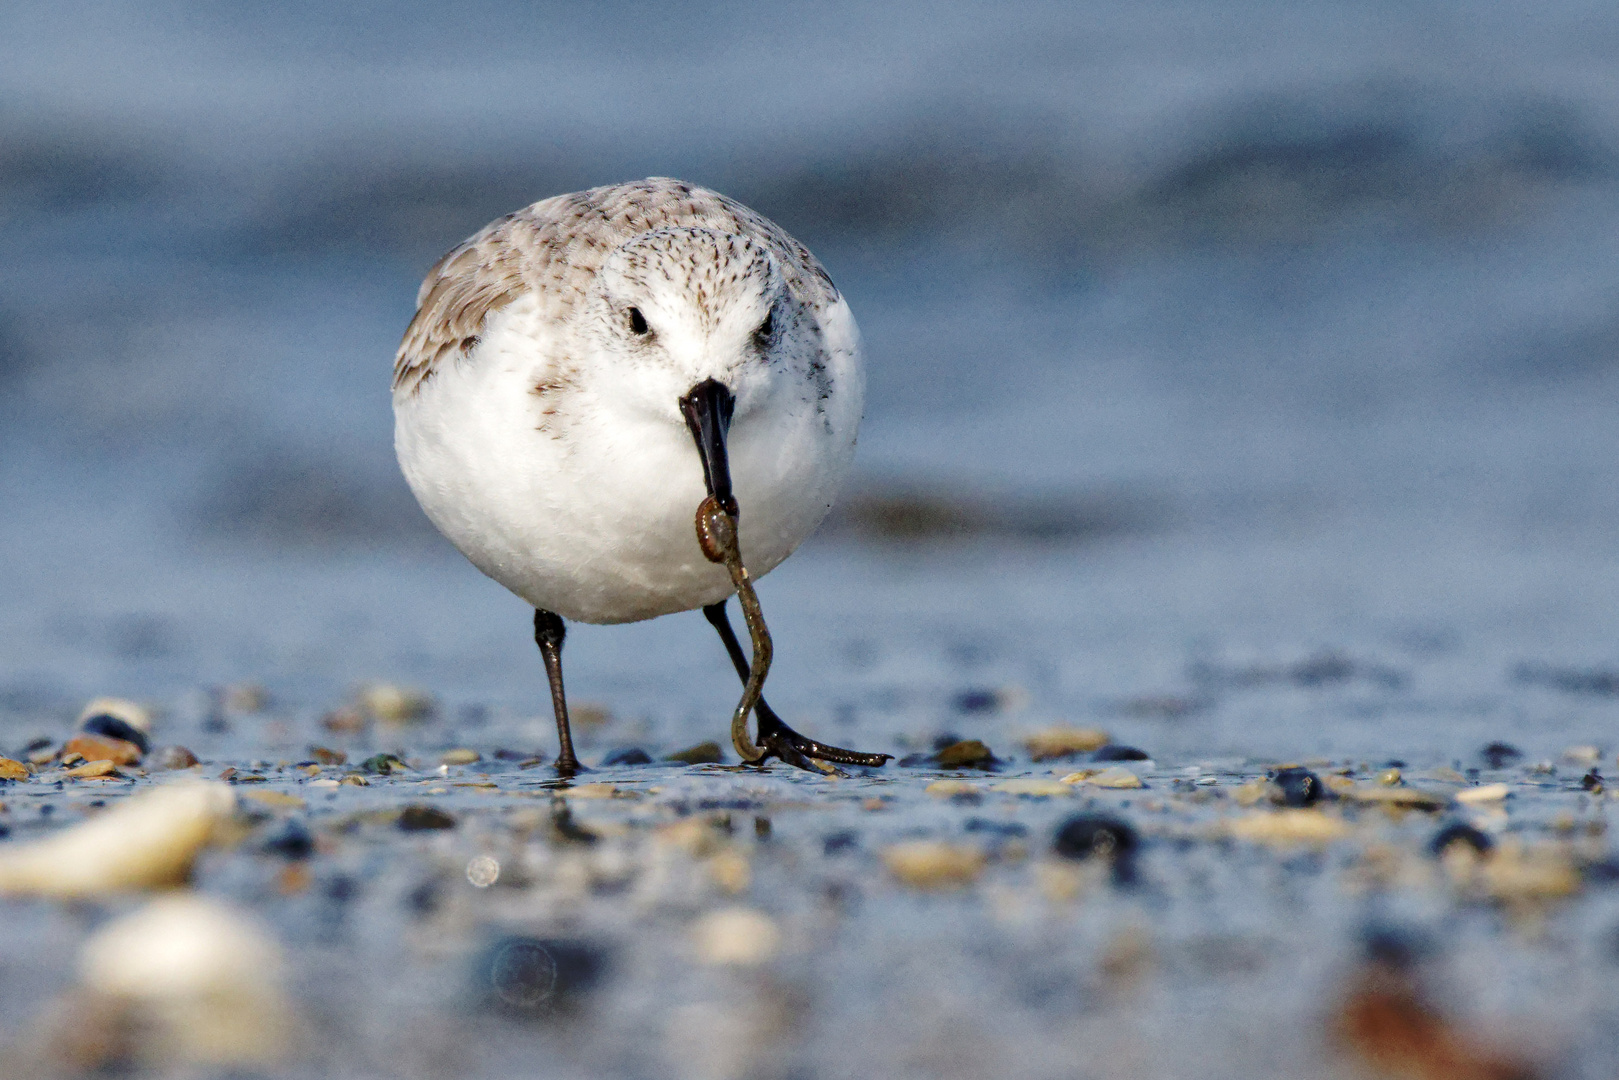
[(13, 770), (384, 764), (1406, 798), (1582, 755), (1107, 778), (1498, 755), (278, 800), (92, 769), (1033, 786), (101, 748), (934, 864), (202, 983), (1288, 826), (1084, 836), (946, 789), (131, 713), (113, 728), (1061, 742), (146, 841), (704, 753), (292, 842), (327, 756), (390, 704), (1121, 753), (460, 756), (171, 758), (966, 754), (1298, 786), (417, 818), (525, 976), (1459, 832), (626, 755), (736, 936)]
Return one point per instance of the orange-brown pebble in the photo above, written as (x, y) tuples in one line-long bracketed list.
[(92, 769), (102, 748), (13, 770)]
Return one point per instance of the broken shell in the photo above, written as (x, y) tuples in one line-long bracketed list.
[(203, 981), (1487, 793), (148, 841), (1064, 742), (1115, 777), (459, 757), (736, 936), (933, 864), (102, 748)]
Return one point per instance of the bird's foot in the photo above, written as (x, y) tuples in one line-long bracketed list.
[(778, 740)]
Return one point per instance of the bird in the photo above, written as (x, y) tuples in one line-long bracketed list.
[(581, 375)]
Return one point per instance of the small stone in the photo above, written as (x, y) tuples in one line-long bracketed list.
[(945, 789), (390, 704), (1100, 835), (737, 936), (416, 818), (353, 780), (292, 842), (1032, 786), (933, 864), (325, 783), (460, 757), (1061, 742), (1120, 753), (704, 753), (1582, 755), (627, 755), (1107, 778), (171, 758), (327, 756), (112, 727), (1498, 755), (102, 748), (599, 790), (1389, 777), (345, 721), (1288, 826), (278, 800), (966, 754), (383, 765), (92, 769), (123, 710), (1459, 832), (13, 770), (1299, 786)]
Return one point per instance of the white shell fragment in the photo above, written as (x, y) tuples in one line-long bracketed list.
[(148, 841)]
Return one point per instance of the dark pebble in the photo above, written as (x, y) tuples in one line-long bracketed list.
[(1591, 781), (915, 761), (847, 840), (1602, 872), (174, 757), (327, 756), (47, 810), (292, 842), (1300, 787), (967, 754), (627, 755), (5, 831), (383, 764), (949, 738), (418, 818), (704, 753), (37, 744), (524, 976), (1459, 832), (341, 889), (1393, 763), (425, 898), (1085, 835), (1498, 755), (114, 728), (1120, 753)]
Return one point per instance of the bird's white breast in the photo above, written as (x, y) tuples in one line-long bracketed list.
[(588, 510)]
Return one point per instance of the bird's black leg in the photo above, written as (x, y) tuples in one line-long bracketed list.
[(774, 734), (548, 635)]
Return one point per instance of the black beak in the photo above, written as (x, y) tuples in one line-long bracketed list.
[(707, 408)]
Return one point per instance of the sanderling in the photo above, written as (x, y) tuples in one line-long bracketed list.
[(548, 392)]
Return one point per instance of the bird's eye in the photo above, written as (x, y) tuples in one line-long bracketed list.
[(638, 324), (766, 328)]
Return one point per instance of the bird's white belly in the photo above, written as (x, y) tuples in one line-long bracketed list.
[(595, 520)]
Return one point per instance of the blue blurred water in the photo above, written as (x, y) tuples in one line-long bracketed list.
[(1322, 301)]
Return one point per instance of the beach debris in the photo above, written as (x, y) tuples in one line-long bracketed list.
[(387, 703), (461, 756), (626, 755), (964, 754), (1032, 786), (934, 864), (88, 747), (117, 718), (419, 818), (92, 770), (736, 936), (1498, 755), (1100, 836), (384, 765), (1288, 826), (292, 841), (1484, 793), (13, 770), (1061, 742), (1460, 832), (1297, 786), (147, 841), (704, 753), (1116, 777), (1386, 1020), (172, 758), (198, 984), (528, 977), (1117, 752), (322, 755)]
